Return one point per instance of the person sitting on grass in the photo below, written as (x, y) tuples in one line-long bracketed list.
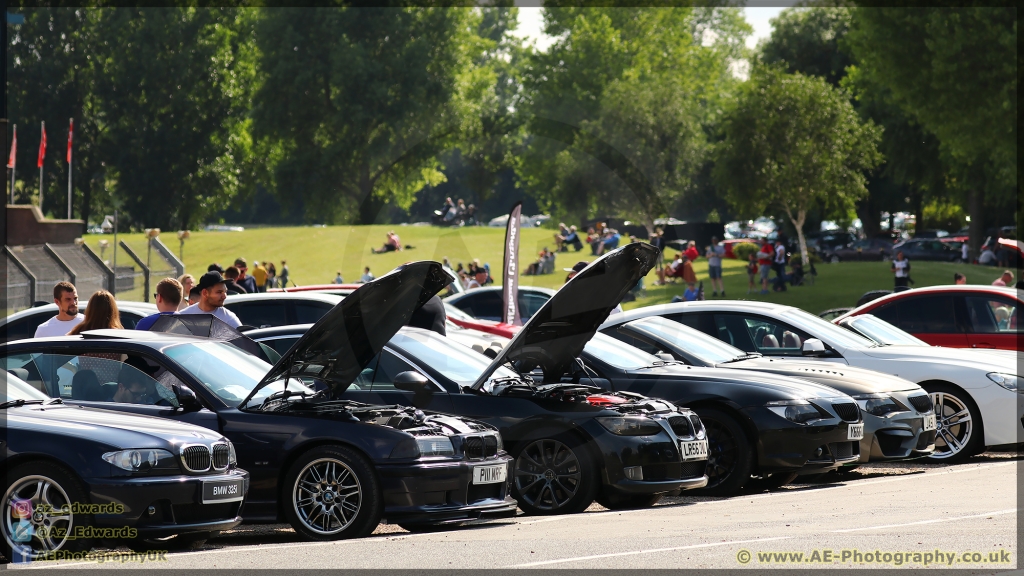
[(690, 295), (393, 244)]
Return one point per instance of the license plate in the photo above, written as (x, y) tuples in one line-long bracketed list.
[(218, 491), (696, 450), (929, 422), (856, 432), (489, 474)]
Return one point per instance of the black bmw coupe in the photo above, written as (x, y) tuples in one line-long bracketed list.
[(331, 467)]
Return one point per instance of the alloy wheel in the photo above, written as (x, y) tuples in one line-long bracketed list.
[(38, 519), (953, 425), (547, 474), (722, 452), (327, 496)]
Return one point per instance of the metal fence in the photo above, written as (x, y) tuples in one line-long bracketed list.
[(44, 267), (90, 275), (18, 286)]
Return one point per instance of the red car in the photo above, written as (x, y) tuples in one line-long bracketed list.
[(965, 316)]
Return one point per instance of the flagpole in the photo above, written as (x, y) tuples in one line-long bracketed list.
[(43, 136), (71, 126), (14, 165)]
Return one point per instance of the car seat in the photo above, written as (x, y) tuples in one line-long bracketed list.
[(790, 340), (86, 386), (769, 341)]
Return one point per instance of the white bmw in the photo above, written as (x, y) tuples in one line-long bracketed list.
[(978, 396)]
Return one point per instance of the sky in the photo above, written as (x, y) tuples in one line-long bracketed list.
[(531, 24)]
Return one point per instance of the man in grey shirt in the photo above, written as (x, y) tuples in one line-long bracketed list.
[(213, 292), (714, 255)]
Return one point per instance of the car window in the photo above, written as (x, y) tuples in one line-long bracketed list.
[(927, 315), (691, 320), (25, 327), (889, 313), (388, 366), (529, 304), (992, 315), (458, 363), (310, 312), (609, 350), (106, 377), (280, 345), (129, 319), (483, 305), (227, 371), (759, 334), (29, 368), (261, 314), (633, 341), (16, 389)]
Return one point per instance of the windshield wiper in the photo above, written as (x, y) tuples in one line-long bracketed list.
[(19, 402), (661, 363), (750, 356), (53, 401)]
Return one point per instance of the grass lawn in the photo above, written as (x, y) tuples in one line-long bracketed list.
[(315, 254)]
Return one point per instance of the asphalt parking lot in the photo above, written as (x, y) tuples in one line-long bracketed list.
[(907, 514)]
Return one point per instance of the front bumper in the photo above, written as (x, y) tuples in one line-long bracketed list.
[(442, 492), (176, 502), (658, 457), (784, 446), (898, 437)]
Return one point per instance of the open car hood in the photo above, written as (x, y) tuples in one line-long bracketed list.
[(337, 348), (557, 333)]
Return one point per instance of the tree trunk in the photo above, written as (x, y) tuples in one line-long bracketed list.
[(977, 226), (370, 205), (918, 212), (798, 223)]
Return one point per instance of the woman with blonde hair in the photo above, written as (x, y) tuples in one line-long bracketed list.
[(187, 282), (101, 312)]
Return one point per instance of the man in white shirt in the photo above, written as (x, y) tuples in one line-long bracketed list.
[(66, 298), (213, 292)]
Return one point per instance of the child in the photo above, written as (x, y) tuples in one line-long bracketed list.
[(691, 292), (752, 269)]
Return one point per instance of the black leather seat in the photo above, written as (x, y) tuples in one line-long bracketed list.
[(86, 386)]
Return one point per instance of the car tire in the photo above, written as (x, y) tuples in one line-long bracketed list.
[(41, 484), (554, 475), (730, 456), (332, 493), (958, 438), (614, 501), (772, 482)]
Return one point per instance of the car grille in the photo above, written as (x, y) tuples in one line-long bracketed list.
[(693, 469), (841, 450), (681, 426), (847, 411), (698, 426), (925, 439), (478, 492), (674, 470), (221, 454), (192, 514), (479, 447), (921, 403), (196, 458)]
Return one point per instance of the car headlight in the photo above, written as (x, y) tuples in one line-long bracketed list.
[(435, 446), (879, 404), (501, 445), (142, 460), (232, 456), (630, 425), (1008, 381), (798, 411)]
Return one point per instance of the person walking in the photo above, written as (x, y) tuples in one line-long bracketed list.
[(764, 261), (715, 253), (211, 299), (231, 281), (964, 253), (168, 298), (751, 272), (259, 275), (187, 281), (284, 274), (243, 280), (101, 312), (271, 275), (901, 272), (65, 296), (779, 264)]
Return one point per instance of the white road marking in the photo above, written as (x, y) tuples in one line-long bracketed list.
[(652, 551), (934, 521)]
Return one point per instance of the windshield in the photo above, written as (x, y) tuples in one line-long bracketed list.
[(707, 349), (456, 362), (881, 331), (18, 389), (226, 371), (827, 331), (620, 355)]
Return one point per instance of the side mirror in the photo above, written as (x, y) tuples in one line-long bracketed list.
[(666, 356), (813, 347), (410, 381), (186, 398)]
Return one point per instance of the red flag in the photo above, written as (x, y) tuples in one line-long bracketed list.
[(42, 147), (14, 149), (71, 129)]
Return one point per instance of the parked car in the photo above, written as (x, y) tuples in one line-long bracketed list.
[(833, 313), (828, 241), (262, 310), (923, 249), (336, 289), (572, 442), (975, 394), (963, 316), (898, 419), (463, 320), (331, 468), (485, 303), (877, 249), (23, 324), (156, 477)]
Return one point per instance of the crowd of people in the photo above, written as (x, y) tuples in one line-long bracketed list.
[(473, 275), (455, 214)]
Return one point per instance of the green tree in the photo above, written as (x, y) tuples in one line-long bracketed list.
[(792, 142), (808, 41), (954, 72), (355, 105)]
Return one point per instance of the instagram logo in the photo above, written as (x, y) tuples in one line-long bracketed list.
[(21, 509)]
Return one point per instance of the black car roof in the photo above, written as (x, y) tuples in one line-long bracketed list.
[(142, 338)]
